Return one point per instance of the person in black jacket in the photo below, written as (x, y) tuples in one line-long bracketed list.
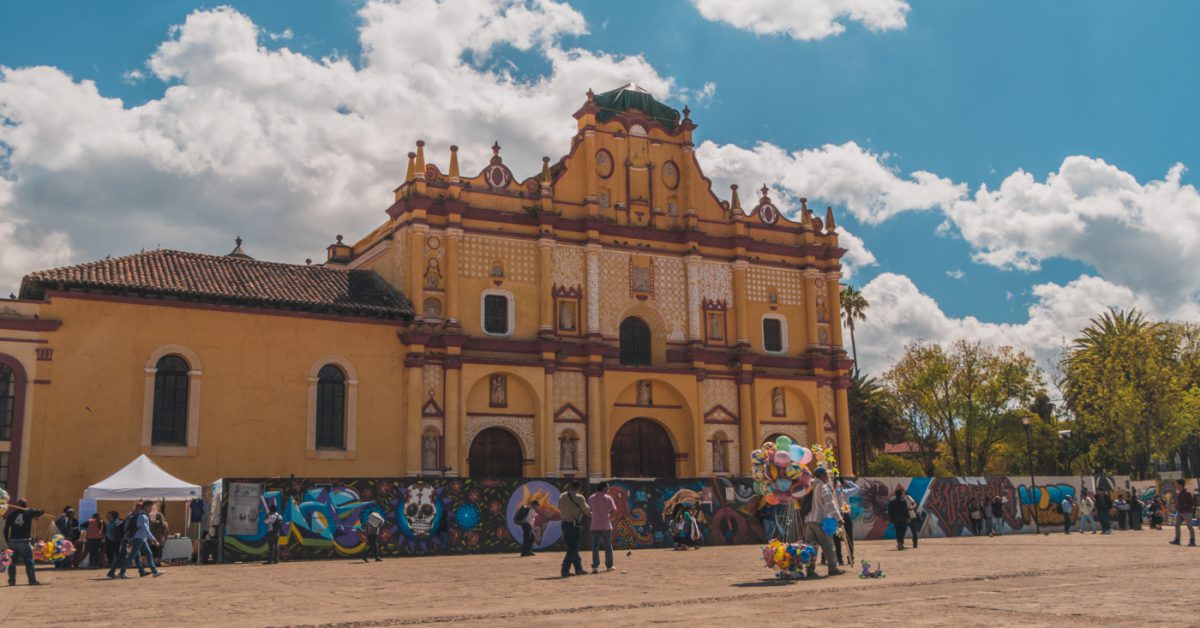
[(898, 512), (1104, 505), (18, 526)]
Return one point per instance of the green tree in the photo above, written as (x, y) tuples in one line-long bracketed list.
[(854, 307), (891, 466), (873, 421), (968, 397)]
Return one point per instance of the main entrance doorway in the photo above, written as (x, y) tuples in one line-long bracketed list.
[(495, 453), (642, 449)]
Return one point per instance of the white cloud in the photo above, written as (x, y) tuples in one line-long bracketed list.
[(285, 149), (900, 314), (857, 255), (1145, 235), (957, 273), (845, 175), (805, 19)]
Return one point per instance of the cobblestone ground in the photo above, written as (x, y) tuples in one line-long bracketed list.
[(1128, 578)]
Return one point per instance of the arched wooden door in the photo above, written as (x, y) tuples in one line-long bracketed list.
[(642, 449), (495, 453)]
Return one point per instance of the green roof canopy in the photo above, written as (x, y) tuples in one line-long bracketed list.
[(630, 96)]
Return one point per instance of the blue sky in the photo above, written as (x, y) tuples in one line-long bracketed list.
[(971, 92)]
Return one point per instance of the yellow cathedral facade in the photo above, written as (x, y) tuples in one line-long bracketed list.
[(610, 316)]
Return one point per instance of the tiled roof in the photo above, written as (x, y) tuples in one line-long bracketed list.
[(228, 280)]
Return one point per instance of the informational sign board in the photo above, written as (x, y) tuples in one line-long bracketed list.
[(245, 502)]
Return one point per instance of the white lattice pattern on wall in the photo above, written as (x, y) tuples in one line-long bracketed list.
[(798, 432), (519, 257), (669, 298), (398, 241), (716, 282), (580, 447), (521, 426), (826, 393), (788, 285), (670, 294), (719, 392), (431, 378), (570, 387), (567, 269), (732, 450)]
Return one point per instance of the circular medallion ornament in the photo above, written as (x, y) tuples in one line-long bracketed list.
[(604, 163), (434, 242), (670, 175), (768, 214), (496, 176)]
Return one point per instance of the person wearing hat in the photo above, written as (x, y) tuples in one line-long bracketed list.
[(823, 506)]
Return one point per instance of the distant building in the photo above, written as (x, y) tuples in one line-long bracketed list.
[(607, 316)]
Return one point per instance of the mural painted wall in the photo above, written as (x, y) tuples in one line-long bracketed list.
[(323, 517)]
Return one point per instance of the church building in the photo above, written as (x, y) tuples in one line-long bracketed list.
[(611, 315)]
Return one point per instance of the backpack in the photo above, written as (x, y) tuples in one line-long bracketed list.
[(130, 526), (277, 524), (521, 514)]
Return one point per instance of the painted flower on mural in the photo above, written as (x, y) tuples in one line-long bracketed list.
[(502, 533), (495, 507), (473, 495), (384, 488), (467, 516), (367, 493), (471, 538), (455, 536), (456, 487)]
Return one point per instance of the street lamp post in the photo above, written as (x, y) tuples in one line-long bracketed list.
[(1035, 496)]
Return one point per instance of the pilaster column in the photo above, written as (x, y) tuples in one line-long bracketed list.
[(842, 409), (545, 429), (545, 274), (412, 419), (741, 314), (810, 308), (693, 263), (747, 419), (451, 440), (833, 281), (416, 256), (595, 436), (592, 251), (453, 236)]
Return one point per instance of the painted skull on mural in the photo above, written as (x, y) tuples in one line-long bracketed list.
[(421, 512)]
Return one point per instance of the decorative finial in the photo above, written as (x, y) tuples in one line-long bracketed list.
[(339, 238), (453, 162), (735, 203), (764, 191), (412, 167), (496, 147), (496, 160), (308, 261), (238, 240), (591, 96), (420, 166), (687, 113), (545, 170), (829, 224)]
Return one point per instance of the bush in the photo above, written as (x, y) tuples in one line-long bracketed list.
[(892, 466)]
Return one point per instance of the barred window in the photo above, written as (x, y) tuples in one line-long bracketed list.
[(772, 334), (495, 314), (170, 401), (635, 342), (4, 470), (331, 408), (8, 399)]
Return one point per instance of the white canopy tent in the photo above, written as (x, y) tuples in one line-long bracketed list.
[(142, 479)]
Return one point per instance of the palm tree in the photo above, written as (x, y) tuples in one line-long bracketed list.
[(854, 307), (873, 420)]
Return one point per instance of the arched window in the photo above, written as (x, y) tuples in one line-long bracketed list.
[(774, 333), (171, 383), (8, 401), (635, 342), (497, 313), (331, 408)]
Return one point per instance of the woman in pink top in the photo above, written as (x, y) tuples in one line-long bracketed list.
[(604, 510)]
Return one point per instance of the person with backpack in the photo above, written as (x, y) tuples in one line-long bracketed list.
[(113, 533), (573, 508), (1065, 508), (371, 527), (998, 513), (274, 530), (916, 517), (604, 511), (525, 516), (897, 510), (1185, 509), (125, 553)]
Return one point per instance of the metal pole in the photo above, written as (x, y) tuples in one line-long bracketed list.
[(1037, 526)]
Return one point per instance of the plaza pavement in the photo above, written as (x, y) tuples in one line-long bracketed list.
[(1128, 578)]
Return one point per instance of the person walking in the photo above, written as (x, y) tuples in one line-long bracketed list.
[(140, 545), (1136, 506), (18, 534), (989, 524), (604, 511), (998, 513), (1104, 505), (573, 508), (916, 517), (1185, 509), (274, 523), (898, 512), (113, 531), (975, 515), (371, 527), (94, 541), (845, 490), (525, 517), (68, 526), (125, 551), (1066, 507), (1122, 507), (1087, 506), (824, 506)]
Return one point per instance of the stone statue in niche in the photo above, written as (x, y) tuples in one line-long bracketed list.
[(566, 315), (498, 391), (778, 403), (822, 313), (645, 393), (433, 275), (568, 453), (497, 268), (432, 308), (720, 456), (714, 326), (772, 297), (641, 279), (429, 451)]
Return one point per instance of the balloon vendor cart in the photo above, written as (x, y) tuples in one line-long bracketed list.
[(782, 480)]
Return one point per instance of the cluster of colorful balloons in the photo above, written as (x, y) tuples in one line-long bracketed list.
[(5, 560), (57, 548), (3, 502), (779, 471), (789, 559)]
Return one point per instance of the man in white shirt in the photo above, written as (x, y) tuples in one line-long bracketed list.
[(824, 505)]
